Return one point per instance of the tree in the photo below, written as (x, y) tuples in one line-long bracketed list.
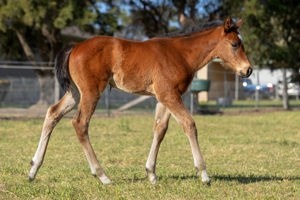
[(150, 17), (271, 33), (9, 48), (277, 25), (159, 17), (37, 25)]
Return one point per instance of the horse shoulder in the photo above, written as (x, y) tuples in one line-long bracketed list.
[(172, 72)]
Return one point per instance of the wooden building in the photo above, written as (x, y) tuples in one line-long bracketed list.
[(222, 82)]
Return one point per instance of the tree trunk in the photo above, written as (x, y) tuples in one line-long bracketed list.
[(46, 82), (27, 50), (45, 78), (285, 97)]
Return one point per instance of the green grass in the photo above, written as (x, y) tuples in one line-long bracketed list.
[(248, 157)]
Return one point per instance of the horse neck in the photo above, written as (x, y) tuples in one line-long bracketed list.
[(199, 48)]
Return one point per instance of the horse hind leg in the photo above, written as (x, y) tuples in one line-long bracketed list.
[(53, 116), (87, 106), (162, 117)]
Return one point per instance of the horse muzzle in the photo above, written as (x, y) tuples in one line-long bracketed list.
[(247, 73)]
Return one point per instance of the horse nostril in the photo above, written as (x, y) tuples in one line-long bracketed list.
[(249, 71)]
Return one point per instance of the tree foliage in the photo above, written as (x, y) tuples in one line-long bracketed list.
[(158, 17), (43, 20), (37, 26), (271, 30), (271, 34)]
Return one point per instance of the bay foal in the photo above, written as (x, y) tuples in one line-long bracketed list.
[(162, 67)]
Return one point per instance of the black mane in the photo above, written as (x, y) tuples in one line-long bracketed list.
[(193, 28)]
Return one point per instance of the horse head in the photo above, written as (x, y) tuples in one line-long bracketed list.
[(230, 48)]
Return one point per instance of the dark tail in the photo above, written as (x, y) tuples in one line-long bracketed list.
[(62, 66)]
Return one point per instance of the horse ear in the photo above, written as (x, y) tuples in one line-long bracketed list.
[(228, 24), (238, 24)]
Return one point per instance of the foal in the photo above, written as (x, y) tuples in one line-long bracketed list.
[(160, 67)]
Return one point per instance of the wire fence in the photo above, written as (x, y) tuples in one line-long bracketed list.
[(20, 88)]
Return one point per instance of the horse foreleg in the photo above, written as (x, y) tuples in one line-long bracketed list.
[(81, 124), (53, 116), (187, 123), (160, 128)]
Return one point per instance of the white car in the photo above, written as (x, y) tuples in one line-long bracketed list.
[(293, 89)]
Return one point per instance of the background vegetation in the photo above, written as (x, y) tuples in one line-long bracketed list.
[(31, 30)]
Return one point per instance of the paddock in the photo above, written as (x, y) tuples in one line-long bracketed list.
[(249, 157)]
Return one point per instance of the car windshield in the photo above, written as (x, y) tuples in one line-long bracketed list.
[(247, 81)]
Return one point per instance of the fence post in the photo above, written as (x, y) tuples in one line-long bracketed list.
[(285, 96), (192, 103), (257, 90), (297, 95), (225, 89), (56, 89), (107, 102), (236, 87)]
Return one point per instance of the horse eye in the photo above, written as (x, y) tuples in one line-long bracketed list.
[(234, 44)]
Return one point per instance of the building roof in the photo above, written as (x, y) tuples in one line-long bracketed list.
[(74, 31)]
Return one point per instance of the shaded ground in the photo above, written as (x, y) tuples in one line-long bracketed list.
[(23, 113), (245, 112)]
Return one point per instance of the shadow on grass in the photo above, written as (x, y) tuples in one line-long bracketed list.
[(160, 178), (252, 178), (239, 178)]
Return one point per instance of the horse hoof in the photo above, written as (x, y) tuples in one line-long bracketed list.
[(206, 184), (152, 178), (205, 178), (105, 180), (30, 179), (153, 181)]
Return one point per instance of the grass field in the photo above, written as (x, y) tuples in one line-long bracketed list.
[(248, 157)]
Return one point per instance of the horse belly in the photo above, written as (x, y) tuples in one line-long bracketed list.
[(132, 85)]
